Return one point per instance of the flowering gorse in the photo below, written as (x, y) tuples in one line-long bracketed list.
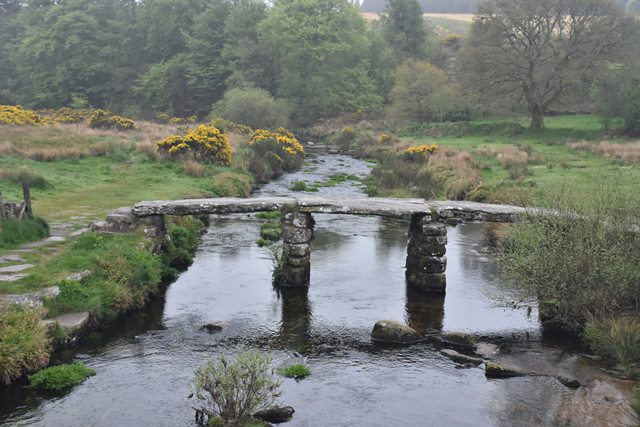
[(420, 152), (205, 144)]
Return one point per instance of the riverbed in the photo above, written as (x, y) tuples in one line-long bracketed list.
[(145, 361)]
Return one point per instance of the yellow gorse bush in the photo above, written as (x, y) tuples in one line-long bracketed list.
[(205, 144), (16, 115), (418, 152), (101, 119), (281, 136)]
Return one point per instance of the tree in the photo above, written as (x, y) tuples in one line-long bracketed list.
[(253, 107), (421, 94), (535, 49), (405, 29), (314, 44)]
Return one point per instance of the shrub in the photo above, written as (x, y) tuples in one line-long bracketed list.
[(582, 263), (273, 153), (514, 161), (234, 391), (61, 376), (16, 115), (418, 153), (345, 138), (15, 232), (298, 186), (24, 344), (232, 184), (193, 168), (101, 119), (253, 107), (295, 371), (204, 144), (24, 175)]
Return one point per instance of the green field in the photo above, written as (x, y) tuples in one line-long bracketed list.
[(551, 163)]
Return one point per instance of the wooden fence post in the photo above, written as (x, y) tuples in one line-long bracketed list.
[(2, 216), (26, 193)]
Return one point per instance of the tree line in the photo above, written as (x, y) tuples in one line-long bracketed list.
[(311, 59)]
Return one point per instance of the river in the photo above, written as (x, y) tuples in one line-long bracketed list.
[(145, 361)]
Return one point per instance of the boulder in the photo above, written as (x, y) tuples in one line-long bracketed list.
[(487, 350), (569, 382), (80, 276), (279, 414), (498, 370), (390, 331), (211, 327), (461, 358), (459, 340)]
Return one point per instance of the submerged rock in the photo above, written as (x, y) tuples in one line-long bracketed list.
[(461, 358), (390, 331), (487, 350), (211, 327), (279, 414), (569, 382), (459, 340), (498, 370)]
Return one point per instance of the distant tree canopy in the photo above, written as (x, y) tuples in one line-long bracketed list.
[(535, 50), (405, 29), (428, 6)]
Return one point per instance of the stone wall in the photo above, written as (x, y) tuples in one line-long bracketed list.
[(426, 259)]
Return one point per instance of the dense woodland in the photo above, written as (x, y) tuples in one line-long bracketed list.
[(310, 59)]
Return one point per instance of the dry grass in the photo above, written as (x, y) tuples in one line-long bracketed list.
[(627, 153), (194, 169), (455, 172), (462, 17)]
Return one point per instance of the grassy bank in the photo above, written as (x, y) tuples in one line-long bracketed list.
[(16, 232)]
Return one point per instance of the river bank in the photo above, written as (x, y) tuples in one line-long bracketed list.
[(144, 361)]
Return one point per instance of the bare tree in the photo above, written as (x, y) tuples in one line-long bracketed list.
[(535, 49)]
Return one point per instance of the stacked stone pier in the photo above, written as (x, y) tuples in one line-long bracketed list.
[(427, 238)]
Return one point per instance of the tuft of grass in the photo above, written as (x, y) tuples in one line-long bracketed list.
[(15, 232), (616, 339), (17, 177), (274, 215), (298, 371), (24, 344), (271, 231), (194, 169), (298, 186), (61, 377)]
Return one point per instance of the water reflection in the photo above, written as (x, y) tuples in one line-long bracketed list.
[(425, 311), (295, 327)]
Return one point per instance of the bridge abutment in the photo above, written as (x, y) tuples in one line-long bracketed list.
[(426, 259), (297, 231)]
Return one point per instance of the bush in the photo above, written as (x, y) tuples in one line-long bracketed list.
[(16, 115), (204, 144), (24, 344), (272, 153), (419, 153), (61, 376), (295, 371), (15, 232), (24, 175), (184, 237), (345, 138), (234, 391), (254, 108), (581, 263), (101, 119)]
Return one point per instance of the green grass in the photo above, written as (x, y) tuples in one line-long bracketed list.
[(15, 232), (295, 371), (60, 377), (557, 164)]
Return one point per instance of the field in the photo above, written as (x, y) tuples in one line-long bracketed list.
[(573, 151)]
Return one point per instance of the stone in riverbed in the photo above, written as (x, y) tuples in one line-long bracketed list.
[(390, 331), (459, 340), (569, 382), (497, 370), (15, 268), (461, 358), (280, 414), (211, 327)]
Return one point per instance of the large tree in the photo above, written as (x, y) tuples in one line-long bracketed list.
[(535, 49), (405, 29)]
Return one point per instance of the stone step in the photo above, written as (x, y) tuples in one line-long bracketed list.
[(15, 268)]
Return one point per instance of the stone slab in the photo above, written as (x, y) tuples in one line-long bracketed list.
[(15, 268), (10, 258), (387, 207), (74, 323), (11, 277)]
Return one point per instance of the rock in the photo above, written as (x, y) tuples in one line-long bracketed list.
[(211, 327), (15, 268), (497, 370), (11, 277), (461, 358), (390, 331), (78, 277), (279, 414), (49, 292), (50, 325), (487, 350), (459, 340), (10, 258), (78, 232), (74, 324), (569, 382)]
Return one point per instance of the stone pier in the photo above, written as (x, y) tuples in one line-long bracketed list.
[(426, 259), (297, 231)]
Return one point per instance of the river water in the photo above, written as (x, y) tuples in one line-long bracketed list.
[(144, 362)]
